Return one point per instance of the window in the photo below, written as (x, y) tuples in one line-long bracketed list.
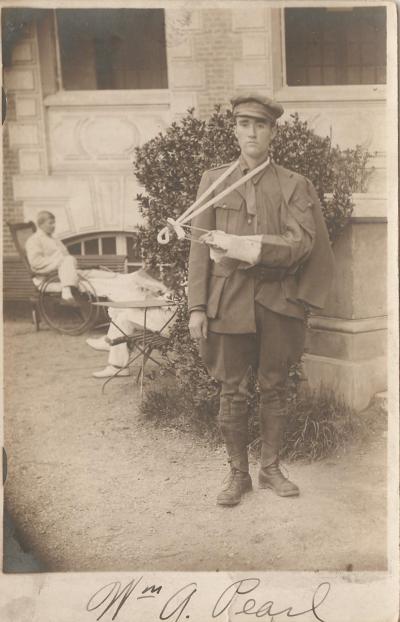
[(109, 246), (118, 244), (93, 246), (112, 49), (335, 46), (75, 249)]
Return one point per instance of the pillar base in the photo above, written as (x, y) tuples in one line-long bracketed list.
[(355, 381)]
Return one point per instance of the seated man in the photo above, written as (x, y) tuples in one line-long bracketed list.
[(47, 254)]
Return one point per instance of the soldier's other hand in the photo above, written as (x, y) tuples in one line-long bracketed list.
[(198, 325)]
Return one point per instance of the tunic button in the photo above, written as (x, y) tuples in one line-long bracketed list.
[(249, 220)]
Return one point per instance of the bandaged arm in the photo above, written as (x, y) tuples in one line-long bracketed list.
[(282, 250)]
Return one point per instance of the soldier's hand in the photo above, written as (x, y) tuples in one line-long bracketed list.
[(198, 325)]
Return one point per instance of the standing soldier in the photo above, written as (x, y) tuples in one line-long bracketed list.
[(252, 314)]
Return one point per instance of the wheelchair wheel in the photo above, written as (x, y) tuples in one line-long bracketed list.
[(63, 317)]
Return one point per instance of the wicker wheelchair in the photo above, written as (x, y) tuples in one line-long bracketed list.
[(47, 303)]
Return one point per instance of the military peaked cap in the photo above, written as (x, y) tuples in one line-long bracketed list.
[(257, 106)]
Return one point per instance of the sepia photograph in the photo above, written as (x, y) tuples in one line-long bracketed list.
[(199, 342)]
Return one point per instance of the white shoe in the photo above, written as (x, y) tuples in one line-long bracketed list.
[(110, 370), (66, 294), (99, 344)]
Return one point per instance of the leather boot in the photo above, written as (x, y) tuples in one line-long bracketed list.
[(237, 484), (234, 429), (270, 476)]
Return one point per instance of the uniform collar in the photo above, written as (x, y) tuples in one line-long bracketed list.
[(244, 167)]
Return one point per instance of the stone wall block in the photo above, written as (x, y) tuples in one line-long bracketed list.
[(255, 45), (30, 161), (182, 102), (22, 135), (19, 80), (26, 107), (187, 74), (347, 346), (23, 53), (248, 19), (359, 287), (250, 74), (356, 382)]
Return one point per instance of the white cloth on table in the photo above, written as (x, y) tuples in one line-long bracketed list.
[(121, 287), (135, 286)]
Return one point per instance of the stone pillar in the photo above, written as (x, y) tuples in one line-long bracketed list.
[(346, 348)]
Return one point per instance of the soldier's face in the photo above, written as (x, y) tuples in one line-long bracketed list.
[(254, 136)]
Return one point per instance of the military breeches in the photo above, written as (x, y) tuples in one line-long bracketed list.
[(278, 343)]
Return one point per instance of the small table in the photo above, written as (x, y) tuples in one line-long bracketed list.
[(146, 347)]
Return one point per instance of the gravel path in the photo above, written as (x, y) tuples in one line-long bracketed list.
[(92, 487)]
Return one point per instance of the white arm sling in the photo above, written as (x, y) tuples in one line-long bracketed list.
[(195, 209)]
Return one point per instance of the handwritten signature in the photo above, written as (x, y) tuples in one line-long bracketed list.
[(112, 597)]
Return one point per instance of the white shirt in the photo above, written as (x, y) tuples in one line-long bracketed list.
[(44, 253)]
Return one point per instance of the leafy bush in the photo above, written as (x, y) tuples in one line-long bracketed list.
[(170, 166)]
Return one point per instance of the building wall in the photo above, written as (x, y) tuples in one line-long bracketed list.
[(74, 150), (202, 51), (215, 53), (71, 152), (23, 136), (12, 210)]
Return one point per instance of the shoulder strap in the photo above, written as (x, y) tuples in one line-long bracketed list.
[(209, 190), (189, 214), (194, 210)]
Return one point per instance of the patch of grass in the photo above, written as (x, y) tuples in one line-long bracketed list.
[(172, 407), (319, 422)]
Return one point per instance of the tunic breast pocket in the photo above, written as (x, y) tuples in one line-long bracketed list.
[(227, 213)]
